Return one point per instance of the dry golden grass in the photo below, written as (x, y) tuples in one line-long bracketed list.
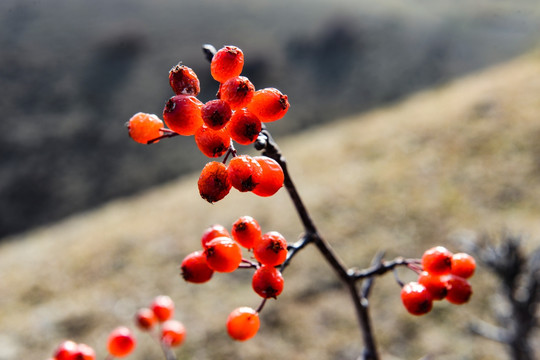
[(464, 157)]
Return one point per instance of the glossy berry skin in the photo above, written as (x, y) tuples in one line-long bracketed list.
[(437, 260), (212, 143), (244, 173), (272, 177), (216, 114), (84, 352), (214, 183), (143, 127), (213, 232), (243, 323), (246, 231), (244, 127), (163, 307), (269, 104), (223, 255), (145, 319), (463, 265), (173, 333), (416, 298), (227, 62), (182, 114), (237, 92), (271, 250), (459, 290), (436, 285), (267, 282), (184, 81), (194, 268), (121, 342), (65, 350)]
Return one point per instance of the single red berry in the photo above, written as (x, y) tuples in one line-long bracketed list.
[(195, 269), (237, 92), (173, 333), (243, 323), (66, 350), (182, 114), (223, 254), (216, 114), (459, 290), (143, 127), (463, 265), (184, 81), (212, 143), (244, 127), (213, 232), (435, 284), (214, 183), (437, 260), (84, 352), (272, 176), (416, 298), (246, 231), (267, 282), (163, 307), (145, 319), (271, 250), (269, 104), (227, 63), (244, 173), (121, 342)]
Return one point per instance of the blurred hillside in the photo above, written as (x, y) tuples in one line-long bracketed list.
[(72, 72)]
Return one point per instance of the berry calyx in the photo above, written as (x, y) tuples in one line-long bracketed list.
[(437, 260), (269, 104), (244, 173), (121, 342), (182, 114), (244, 127), (145, 319), (237, 92), (143, 127), (216, 114), (184, 81), (246, 231), (163, 307), (243, 323), (272, 177), (194, 268), (214, 183), (463, 265), (173, 333), (267, 282), (459, 290), (271, 250), (227, 63), (212, 143), (436, 285), (223, 254), (416, 298)]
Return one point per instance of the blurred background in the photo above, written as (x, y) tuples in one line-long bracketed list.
[(73, 72)]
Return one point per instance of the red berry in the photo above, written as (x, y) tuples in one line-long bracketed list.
[(459, 290), (195, 269), (246, 231), (437, 260), (243, 323), (223, 254), (269, 104), (244, 127), (173, 333), (463, 265), (163, 307), (213, 232), (227, 63), (182, 114), (237, 92), (143, 127), (271, 250), (267, 282), (66, 350), (435, 284), (184, 81), (84, 352), (216, 114), (145, 319), (416, 298), (272, 176), (214, 183), (244, 173), (212, 143), (121, 342)]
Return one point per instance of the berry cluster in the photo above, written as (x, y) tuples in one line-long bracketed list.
[(236, 115), (443, 276), (222, 252)]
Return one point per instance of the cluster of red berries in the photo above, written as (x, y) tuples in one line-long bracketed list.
[(443, 276), (236, 115), (222, 252), (121, 341)]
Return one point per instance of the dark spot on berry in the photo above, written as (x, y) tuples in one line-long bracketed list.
[(275, 246)]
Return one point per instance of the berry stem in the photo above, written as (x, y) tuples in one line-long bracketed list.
[(167, 133), (261, 305)]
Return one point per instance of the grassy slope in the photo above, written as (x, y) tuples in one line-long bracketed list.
[(462, 157)]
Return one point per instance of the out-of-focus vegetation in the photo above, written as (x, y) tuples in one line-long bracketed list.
[(72, 72)]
